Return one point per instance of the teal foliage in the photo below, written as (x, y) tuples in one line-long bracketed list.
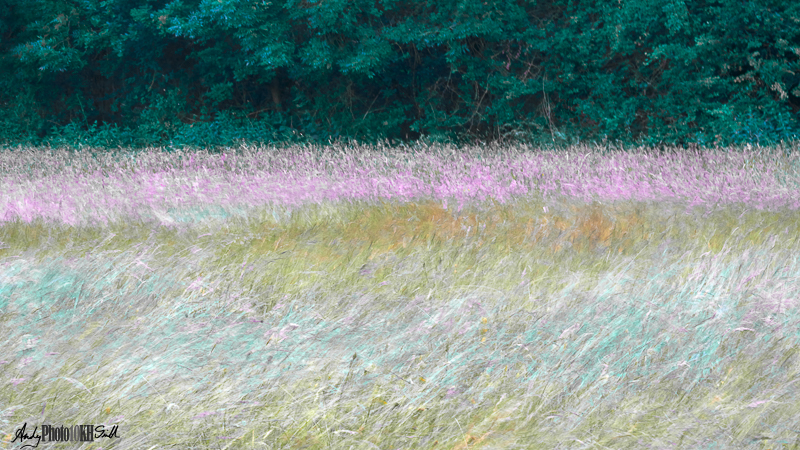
[(215, 72)]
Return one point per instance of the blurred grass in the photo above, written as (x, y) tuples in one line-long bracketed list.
[(532, 324)]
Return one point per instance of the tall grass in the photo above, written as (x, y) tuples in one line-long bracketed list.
[(428, 297)]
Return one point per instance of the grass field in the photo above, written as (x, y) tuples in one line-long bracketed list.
[(413, 298)]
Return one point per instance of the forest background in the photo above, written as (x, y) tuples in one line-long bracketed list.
[(213, 72)]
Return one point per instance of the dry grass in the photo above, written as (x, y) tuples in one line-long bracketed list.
[(423, 298)]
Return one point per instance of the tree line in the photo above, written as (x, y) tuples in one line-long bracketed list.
[(721, 71)]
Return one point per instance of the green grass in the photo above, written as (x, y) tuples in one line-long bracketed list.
[(544, 322)]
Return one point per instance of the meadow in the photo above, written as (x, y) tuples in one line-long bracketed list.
[(425, 297)]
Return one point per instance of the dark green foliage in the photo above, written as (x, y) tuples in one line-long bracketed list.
[(213, 72)]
